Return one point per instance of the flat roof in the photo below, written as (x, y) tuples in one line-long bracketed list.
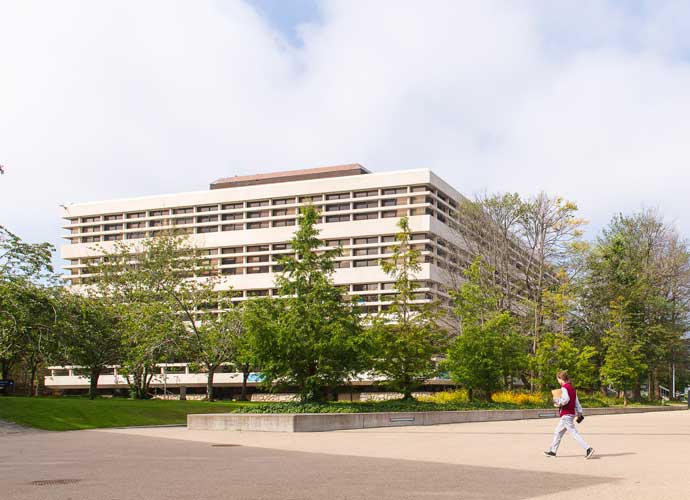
[(290, 175)]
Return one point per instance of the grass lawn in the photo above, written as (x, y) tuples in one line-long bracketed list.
[(71, 413)]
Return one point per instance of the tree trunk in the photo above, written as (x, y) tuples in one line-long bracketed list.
[(245, 377), (6, 366), (209, 382), (93, 382), (637, 391), (32, 377)]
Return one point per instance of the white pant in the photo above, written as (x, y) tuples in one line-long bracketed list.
[(566, 424)]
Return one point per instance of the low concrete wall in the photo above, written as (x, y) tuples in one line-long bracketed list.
[(317, 422)]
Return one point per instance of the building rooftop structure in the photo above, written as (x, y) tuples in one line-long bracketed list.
[(290, 175)]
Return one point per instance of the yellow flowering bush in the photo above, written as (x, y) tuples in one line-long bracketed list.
[(457, 396), (516, 398)]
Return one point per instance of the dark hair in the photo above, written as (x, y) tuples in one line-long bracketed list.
[(563, 375)]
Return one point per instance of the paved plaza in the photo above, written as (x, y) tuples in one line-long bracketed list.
[(643, 456)]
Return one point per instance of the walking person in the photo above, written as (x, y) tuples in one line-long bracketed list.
[(569, 406)]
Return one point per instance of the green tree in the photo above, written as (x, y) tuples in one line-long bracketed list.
[(623, 363), (310, 337), (643, 260), (145, 284), (90, 335), (406, 337), (487, 349), (27, 305), (549, 228), (246, 352), (556, 352), (214, 338)]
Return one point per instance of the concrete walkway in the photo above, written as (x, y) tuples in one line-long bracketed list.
[(645, 456), (12, 428)]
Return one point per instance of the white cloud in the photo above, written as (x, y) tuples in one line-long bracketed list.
[(102, 100)]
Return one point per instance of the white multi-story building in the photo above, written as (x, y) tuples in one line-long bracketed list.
[(244, 223)]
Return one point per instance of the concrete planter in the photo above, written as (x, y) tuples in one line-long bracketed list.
[(318, 422)]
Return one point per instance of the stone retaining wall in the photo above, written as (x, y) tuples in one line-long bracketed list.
[(316, 422)]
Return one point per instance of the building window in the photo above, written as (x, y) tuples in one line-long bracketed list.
[(257, 225), (365, 204), (366, 251), (232, 227), (158, 213), (338, 207), (311, 199), (257, 215), (136, 236), (284, 223), (365, 263), (391, 202), (366, 241), (257, 270), (338, 243), (338, 196), (207, 208), (366, 194), (419, 189), (90, 219), (156, 223), (207, 229), (255, 259), (207, 218), (90, 239), (136, 215), (342, 264), (366, 216), (113, 217), (112, 237), (228, 261), (257, 248), (258, 203), (386, 214), (389, 191), (257, 293), (183, 220), (231, 270), (136, 225), (365, 287), (338, 218), (280, 246), (283, 201), (232, 206), (232, 216), (232, 250)]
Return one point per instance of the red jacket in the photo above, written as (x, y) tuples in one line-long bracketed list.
[(569, 407)]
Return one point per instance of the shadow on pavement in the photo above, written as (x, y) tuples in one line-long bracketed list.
[(118, 467)]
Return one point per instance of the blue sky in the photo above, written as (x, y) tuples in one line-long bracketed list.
[(588, 100), (286, 16)]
